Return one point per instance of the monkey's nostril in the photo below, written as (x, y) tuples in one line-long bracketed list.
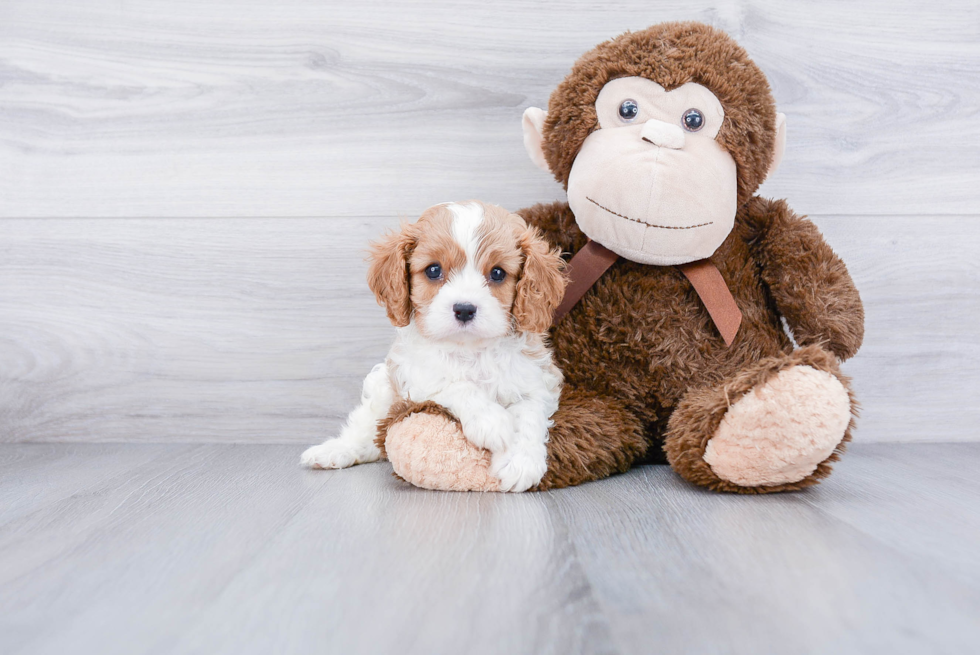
[(464, 311)]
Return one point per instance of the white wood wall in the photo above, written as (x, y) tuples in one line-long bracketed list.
[(186, 189)]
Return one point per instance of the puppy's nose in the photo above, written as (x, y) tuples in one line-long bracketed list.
[(464, 311)]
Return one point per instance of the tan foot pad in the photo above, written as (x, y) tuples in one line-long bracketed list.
[(431, 452), (778, 432)]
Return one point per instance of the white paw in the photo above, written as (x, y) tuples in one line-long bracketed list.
[(519, 469), (491, 428), (333, 454)]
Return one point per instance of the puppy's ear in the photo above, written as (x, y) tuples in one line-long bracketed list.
[(541, 285), (388, 274)]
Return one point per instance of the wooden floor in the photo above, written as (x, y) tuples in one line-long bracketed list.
[(143, 548)]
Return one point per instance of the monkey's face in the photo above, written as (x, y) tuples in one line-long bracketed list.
[(652, 184)]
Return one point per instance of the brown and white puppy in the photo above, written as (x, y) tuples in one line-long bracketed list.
[(472, 291)]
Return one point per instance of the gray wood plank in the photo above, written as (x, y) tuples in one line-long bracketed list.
[(918, 500), (261, 330), (373, 108), (146, 549), (36, 476), (681, 569), (235, 549), (195, 330), (223, 548), (16, 460), (377, 566)]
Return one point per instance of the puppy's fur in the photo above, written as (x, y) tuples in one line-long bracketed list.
[(469, 338)]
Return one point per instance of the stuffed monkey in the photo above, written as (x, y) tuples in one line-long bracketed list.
[(671, 337)]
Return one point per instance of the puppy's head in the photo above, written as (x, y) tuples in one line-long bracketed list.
[(467, 271)]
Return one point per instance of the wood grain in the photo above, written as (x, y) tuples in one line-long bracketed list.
[(30, 485), (261, 330), (696, 571), (934, 490), (252, 330), (150, 532), (302, 108), (918, 373), (234, 549), (154, 320)]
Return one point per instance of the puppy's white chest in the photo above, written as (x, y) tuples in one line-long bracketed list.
[(494, 372), (419, 371)]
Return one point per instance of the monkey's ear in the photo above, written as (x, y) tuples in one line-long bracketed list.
[(779, 147), (533, 124)]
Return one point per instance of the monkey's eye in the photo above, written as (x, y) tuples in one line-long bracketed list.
[(693, 120), (433, 271), (497, 274), (628, 110)]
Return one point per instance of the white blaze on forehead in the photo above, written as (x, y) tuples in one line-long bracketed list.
[(466, 284), (466, 225)]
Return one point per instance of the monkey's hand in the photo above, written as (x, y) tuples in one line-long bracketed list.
[(809, 282)]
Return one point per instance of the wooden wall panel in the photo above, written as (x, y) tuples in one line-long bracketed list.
[(260, 330), (183, 329), (186, 188), (302, 108)]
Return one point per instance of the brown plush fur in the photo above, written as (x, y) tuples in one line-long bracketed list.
[(645, 368), (670, 54), (641, 340), (698, 416), (597, 440)]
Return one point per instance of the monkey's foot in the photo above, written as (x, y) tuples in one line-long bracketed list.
[(427, 448), (778, 432), (775, 426)]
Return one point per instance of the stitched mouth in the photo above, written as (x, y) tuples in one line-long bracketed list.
[(636, 220)]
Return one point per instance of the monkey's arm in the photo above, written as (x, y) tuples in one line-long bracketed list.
[(809, 282), (557, 222)]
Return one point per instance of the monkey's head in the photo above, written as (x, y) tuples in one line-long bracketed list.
[(659, 137)]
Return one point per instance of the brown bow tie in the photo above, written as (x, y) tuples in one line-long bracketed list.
[(589, 263)]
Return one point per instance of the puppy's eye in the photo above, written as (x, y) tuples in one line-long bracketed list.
[(693, 120), (433, 271), (628, 110), (497, 274)]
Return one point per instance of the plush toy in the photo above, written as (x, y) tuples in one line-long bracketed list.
[(671, 337)]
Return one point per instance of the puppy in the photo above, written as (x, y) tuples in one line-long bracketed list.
[(471, 290)]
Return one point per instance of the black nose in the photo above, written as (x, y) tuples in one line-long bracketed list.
[(464, 311)]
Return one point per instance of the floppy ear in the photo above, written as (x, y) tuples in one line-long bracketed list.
[(388, 274), (541, 285), (533, 126)]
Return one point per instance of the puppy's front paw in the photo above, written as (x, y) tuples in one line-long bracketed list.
[(333, 454), (492, 428), (519, 469)]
